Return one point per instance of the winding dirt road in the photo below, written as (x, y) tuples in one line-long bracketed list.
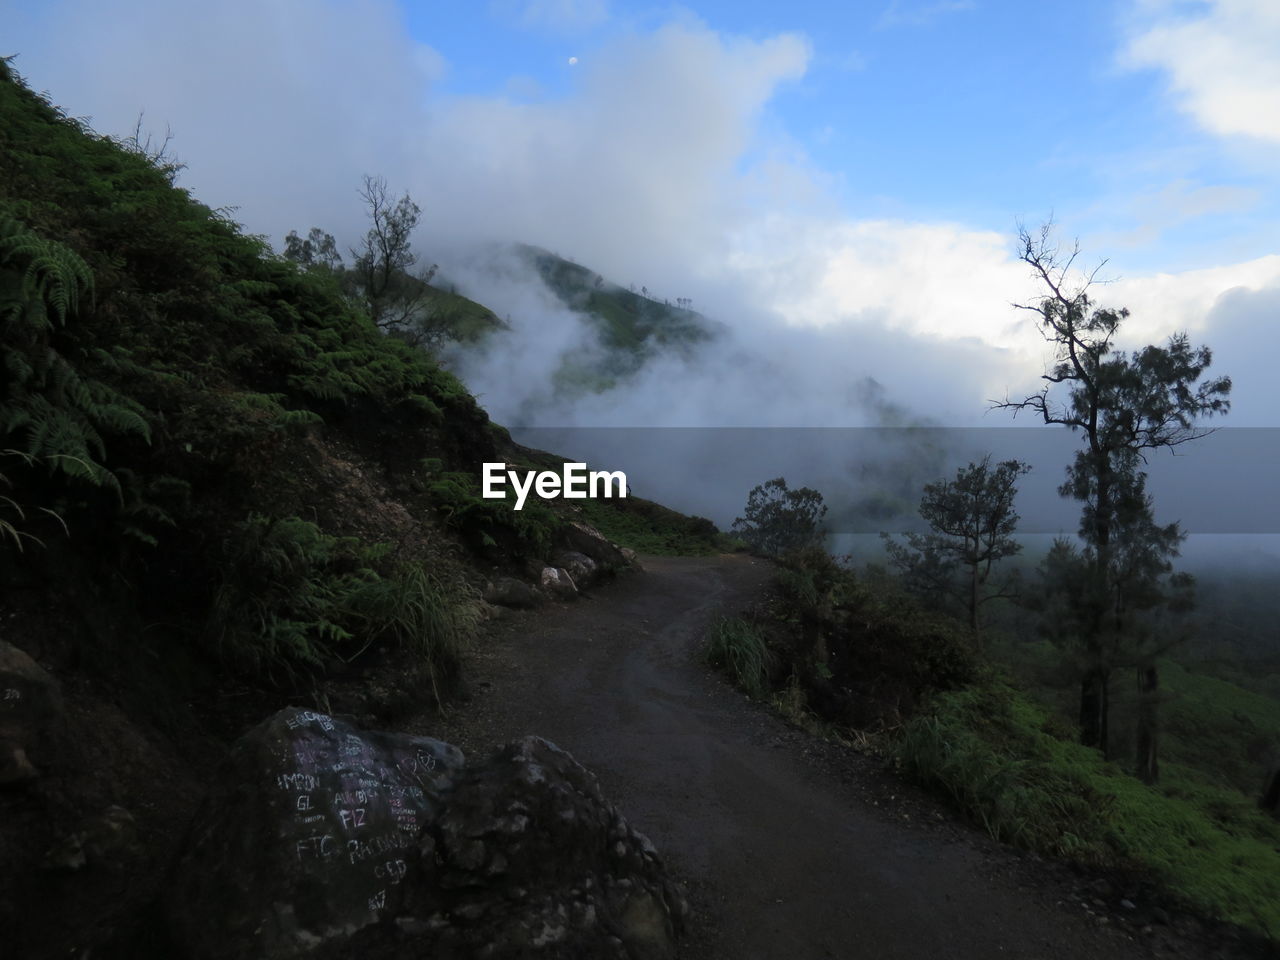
[(786, 854)]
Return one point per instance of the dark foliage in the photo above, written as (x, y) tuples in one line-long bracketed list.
[(777, 519), (169, 387)]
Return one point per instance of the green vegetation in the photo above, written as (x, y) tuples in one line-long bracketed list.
[(648, 527), (194, 430), (1104, 597), (382, 282), (856, 656), (491, 525), (777, 520), (862, 656), (971, 519), (460, 319), (292, 596), (738, 647), (632, 326), (1016, 769), (1218, 729), (1226, 733)]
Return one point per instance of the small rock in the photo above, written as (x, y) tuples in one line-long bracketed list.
[(586, 539), (580, 567), (557, 582), (1128, 905), (491, 611)]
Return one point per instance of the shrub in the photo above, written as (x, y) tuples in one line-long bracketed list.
[(293, 598), (491, 523)]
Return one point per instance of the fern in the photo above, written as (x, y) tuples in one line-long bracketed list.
[(62, 415), (51, 277)]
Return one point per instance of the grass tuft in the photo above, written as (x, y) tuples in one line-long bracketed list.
[(738, 647)]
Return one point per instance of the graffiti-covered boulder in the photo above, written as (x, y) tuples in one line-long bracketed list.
[(305, 835), (318, 839)]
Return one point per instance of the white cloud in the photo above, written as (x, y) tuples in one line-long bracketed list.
[(638, 173), (656, 170), (1164, 303), (277, 107), (936, 280), (1222, 64)]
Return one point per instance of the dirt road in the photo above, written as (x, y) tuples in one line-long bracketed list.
[(787, 854)]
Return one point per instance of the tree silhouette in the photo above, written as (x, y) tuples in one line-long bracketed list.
[(1124, 406), (972, 521), (777, 519)]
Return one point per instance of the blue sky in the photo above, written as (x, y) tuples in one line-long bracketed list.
[(969, 111), (838, 184)]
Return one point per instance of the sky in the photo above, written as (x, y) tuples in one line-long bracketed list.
[(840, 185)]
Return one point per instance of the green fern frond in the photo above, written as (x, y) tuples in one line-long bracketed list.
[(51, 276)]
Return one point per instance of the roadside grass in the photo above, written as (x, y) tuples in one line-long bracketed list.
[(740, 649), (998, 740), (1012, 766), (418, 612), (1214, 727)]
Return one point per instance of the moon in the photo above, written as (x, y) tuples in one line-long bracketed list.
[(572, 61)]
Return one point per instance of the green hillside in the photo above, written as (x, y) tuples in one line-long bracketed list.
[(212, 457), (466, 320), (632, 328)]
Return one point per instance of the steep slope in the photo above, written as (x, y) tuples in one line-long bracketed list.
[(177, 398), (224, 490), (200, 437)]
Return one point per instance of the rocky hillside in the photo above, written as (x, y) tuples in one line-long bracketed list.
[(224, 491)]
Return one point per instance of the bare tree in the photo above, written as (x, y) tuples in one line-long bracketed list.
[(1124, 406), (397, 299), (158, 154)]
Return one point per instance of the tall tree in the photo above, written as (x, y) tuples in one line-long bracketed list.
[(1124, 406), (972, 522)]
